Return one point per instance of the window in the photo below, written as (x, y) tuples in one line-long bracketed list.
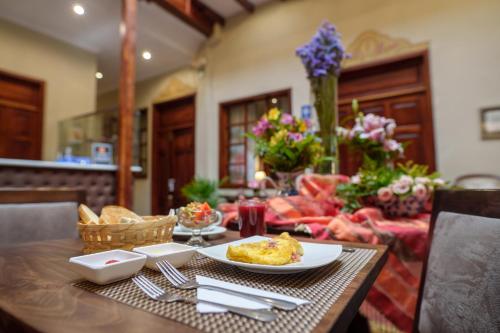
[(237, 161)]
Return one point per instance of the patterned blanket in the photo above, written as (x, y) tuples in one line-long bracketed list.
[(317, 211)]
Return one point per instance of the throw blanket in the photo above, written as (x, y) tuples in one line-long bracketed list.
[(317, 211)]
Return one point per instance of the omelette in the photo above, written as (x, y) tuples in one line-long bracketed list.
[(278, 251)]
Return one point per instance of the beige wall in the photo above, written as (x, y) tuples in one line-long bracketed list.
[(68, 72), (159, 89), (256, 53)]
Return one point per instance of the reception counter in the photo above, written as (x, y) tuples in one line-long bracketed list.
[(98, 181)]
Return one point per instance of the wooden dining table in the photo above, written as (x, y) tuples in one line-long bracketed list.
[(37, 293)]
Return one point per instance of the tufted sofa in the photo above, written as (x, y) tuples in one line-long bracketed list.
[(100, 186)]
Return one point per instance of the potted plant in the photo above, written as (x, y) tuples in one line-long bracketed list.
[(285, 145)]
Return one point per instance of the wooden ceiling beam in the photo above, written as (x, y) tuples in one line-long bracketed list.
[(193, 13), (249, 7)]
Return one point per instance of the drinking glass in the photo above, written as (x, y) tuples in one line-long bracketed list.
[(251, 217)]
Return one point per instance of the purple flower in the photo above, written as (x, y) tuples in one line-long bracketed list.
[(261, 127), (295, 136), (324, 53), (286, 119)]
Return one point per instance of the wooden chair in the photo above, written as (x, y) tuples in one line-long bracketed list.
[(478, 181), (462, 267), (34, 214)]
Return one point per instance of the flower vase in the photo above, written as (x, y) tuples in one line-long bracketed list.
[(286, 182), (324, 89)]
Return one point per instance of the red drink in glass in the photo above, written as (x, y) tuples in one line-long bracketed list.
[(251, 219)]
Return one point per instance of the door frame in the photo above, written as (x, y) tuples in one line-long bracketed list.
[(425, 88), (155, 144)]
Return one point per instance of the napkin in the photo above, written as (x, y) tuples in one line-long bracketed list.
[(223, 298)]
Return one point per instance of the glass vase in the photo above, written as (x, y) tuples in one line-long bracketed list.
[(325, 94), (286, 182)]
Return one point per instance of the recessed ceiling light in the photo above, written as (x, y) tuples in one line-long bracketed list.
[(78, 9), (274, 100), (146, 55), (98, 75)]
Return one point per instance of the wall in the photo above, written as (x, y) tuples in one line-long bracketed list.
[(155, 90), (68, 72), (255, 54)]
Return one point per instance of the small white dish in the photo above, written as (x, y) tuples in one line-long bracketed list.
[(315, 255), (93, 267), (216, 230), (176, 254)]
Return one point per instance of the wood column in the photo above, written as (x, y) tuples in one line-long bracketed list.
[(127, 82)]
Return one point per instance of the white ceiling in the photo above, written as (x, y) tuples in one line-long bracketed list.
[(172, 43)]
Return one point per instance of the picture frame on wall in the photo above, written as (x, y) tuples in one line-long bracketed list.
[(490, 123)]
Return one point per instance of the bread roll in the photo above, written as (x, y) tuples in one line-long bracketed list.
[(87, 216), (113, 215)]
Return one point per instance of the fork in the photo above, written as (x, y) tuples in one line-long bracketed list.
[(178, 280), (156, 293)]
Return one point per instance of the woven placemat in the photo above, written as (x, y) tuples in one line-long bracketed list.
[(322, 287)]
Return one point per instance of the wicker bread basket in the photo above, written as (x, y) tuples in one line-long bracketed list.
[(104, 237)]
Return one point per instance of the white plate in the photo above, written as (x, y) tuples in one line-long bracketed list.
[(214, 231), (315, 255), (176, 254)]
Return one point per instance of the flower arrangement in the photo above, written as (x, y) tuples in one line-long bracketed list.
[(322, 58), (387, 187), (285, 143), (373, 136)]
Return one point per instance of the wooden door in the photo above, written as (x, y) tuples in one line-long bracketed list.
[(398, 89), (21, 117), (173, 153)]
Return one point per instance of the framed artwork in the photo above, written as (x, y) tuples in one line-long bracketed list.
[(490, 123)]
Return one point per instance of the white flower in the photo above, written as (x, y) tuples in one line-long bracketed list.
[(400, 188), (384, 194), (439, 182), (420, 191), (422, 180), (405, 179), (355, 179)]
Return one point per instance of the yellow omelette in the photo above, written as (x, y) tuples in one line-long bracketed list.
[(278, 251)]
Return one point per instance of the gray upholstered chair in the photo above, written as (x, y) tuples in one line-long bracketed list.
[(460, 290), (38, 214)]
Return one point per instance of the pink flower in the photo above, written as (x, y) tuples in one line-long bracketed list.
[(286, 119), (400, 188), (261, 127), (420, 191), (390, 126), (392, 145), (384, 194), (355, 179), (377, 135), (439, 182), (422, 180), (406, 180), (371, 122), (295, 136)]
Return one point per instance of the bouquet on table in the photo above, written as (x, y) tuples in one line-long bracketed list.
[(373, 137), (401, 191), (285, 143)]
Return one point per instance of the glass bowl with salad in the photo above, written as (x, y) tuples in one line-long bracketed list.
[(196, 216)]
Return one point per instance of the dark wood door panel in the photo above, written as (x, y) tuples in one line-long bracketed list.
[(21, 115), (411, 110), (173, 153)]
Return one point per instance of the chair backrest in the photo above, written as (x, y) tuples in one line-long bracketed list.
[(36, 214), (478, 181), (461, 273)]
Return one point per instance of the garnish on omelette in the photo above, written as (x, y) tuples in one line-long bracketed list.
[(278, 251)]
